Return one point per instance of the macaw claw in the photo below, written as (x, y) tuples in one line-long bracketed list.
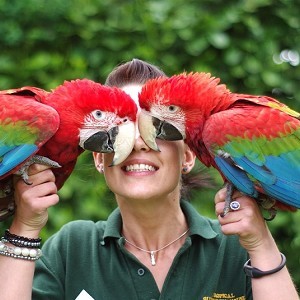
[(272, 214), (265, 203), (36, 159), (228, 199)]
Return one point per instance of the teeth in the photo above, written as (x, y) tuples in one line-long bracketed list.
[(139, 168)]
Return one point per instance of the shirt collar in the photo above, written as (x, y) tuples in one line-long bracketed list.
[(199, 225)]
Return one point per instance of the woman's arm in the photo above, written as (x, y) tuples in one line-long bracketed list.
[(32, 201), (255, 237)]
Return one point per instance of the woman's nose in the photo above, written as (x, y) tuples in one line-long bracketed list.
[(139, 144)]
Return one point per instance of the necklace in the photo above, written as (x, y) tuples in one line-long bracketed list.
[(152, 252)]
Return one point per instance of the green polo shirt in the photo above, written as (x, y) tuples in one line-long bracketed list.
[(89, 258)]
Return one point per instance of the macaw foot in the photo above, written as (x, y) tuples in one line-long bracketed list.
[(228, 199), (272, 214), (36, 159), (267, 204)]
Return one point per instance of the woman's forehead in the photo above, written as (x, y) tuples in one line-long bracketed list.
[(133, 91)]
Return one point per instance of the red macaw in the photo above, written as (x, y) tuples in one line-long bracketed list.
[(54, 128), (253, 141)]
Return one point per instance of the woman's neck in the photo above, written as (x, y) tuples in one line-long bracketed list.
[(159, 228), (153, 224)]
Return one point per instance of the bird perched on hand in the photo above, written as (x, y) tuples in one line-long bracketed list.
[(54, 128), (253, 141)]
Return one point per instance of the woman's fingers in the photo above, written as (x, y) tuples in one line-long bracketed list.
[(32, 201), (247, 221)]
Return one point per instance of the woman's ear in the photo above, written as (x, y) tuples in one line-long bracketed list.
[(189, 160), (98, 160)]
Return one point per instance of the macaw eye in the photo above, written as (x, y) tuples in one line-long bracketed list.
[(98, 114), (172, 108)]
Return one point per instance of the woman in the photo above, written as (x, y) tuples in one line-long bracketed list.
[(155, 245)]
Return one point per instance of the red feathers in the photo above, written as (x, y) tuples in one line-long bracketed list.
[(184, 90)]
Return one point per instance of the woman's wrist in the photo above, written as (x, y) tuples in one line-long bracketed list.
[(21, 229), (266, 256), (254, 272), (20, 246), (21, 241)]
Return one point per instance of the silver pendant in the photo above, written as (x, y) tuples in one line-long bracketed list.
[(152, 258)]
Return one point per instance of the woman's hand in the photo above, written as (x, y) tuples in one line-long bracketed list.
[(32, 201), (247, 222)]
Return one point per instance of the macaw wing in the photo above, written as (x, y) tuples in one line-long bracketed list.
[(257, 148), (266, 101), (26, 91), (25, 125)]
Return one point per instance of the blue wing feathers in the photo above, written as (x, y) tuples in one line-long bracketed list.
[(285, 166), (258, 172), (237, 177), (4, 149), (15, 157), (281, 182), (279, 191)]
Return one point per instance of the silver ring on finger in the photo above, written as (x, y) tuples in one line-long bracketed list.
[(235, 205)]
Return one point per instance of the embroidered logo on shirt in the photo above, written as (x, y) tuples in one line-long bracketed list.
[(217, 296), (84, 296)]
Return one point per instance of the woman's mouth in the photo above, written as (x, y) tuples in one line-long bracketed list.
[(139, 168)]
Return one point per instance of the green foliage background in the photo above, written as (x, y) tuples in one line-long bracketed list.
[(252, 45)]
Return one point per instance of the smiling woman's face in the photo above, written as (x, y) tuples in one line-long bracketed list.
[(147, 174)]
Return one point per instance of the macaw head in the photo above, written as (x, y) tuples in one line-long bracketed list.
[(173, 107), (101, 118)]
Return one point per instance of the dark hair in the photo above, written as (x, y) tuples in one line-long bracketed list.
[(135, 71), (198, 179), (138, 71)]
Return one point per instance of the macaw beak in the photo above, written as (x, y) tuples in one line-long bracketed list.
[(123, 142), (147, 130), (151, 128), (100, 141), (119, 139)]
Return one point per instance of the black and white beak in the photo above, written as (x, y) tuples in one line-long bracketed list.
[(119, 139), (151, 128)]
